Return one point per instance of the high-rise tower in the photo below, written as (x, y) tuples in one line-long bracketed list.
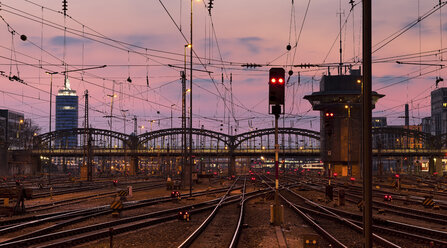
[(66, 114)]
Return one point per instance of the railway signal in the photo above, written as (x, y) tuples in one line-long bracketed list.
[(387, 198), (276, 86), (276, 107), (175, 195), (183, 215)]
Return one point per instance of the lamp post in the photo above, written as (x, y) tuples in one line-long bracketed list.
[(111, 109), (51, 97), (190, 110), (123, 112), (49, 128), (172, 105), (152, 121), (20, 125)]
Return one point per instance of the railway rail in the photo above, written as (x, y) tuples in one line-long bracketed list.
[(102, 230)]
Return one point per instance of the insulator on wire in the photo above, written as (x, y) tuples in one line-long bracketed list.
[(64, 6), (210, 6)]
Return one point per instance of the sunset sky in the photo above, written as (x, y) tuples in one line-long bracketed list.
[(138, 39)]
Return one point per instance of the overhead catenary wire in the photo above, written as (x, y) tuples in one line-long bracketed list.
[(217, 66)]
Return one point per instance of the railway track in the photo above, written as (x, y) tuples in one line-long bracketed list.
[(66, 218), (397, 232), (102, 230), (55, 204), (408, 212), (340, 232)]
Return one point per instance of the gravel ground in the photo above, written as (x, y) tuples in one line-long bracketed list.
[(258, 232), (107, 200)]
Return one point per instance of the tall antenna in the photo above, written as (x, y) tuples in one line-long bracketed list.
[(65, 8)]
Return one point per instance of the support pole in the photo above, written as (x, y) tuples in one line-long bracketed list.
[(276, 208), (190, 112), (49, 129), (367, 106)]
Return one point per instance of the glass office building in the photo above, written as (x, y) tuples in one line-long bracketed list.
[(439, 111), (66, 114)]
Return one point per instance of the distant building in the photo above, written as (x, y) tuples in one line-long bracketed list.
[(426, 125), (10, 124), (66, 114), (379, 122), (439, 111)]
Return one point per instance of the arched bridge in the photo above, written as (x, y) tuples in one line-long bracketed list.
[(294, 142), (170, 142)]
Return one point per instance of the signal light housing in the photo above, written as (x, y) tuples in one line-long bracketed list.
[(276, 86)]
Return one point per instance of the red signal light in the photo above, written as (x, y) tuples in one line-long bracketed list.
[(335, 174), (273, 80), (397, 176), (352, 178), (327, 114), (281, 81)]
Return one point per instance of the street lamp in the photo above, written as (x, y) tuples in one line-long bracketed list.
[(20, 124), (152, 121), (141, 127)]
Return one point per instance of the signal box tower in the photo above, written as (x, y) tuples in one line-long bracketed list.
[(339, 103)]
